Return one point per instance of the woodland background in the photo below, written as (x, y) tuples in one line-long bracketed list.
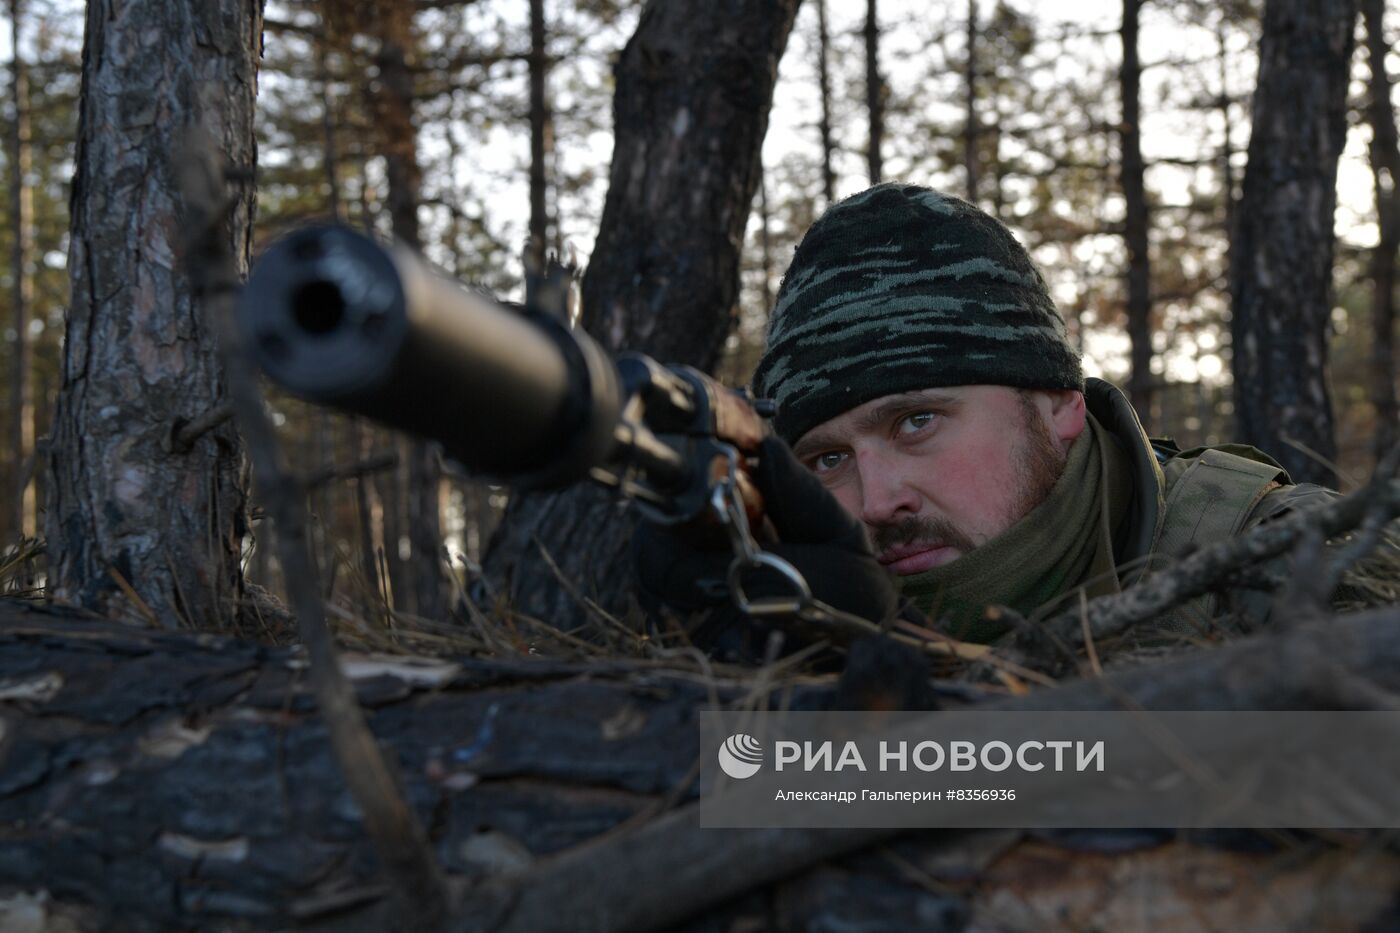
[(1210, 187), (1114, 138)]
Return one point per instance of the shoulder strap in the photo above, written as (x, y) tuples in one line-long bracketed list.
[(1209, 498)]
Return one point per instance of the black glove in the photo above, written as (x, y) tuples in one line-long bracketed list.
[(817, 536)]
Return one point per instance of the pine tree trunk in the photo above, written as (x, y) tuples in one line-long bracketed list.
[(874, 94), (364, 518), (1136, 218), (369, 505), (970, 114), (1281, 272), (1385, 169), (998, 171), (389, 489), (22, 282), (126, 508), (765, 244), (1213, 420), (1227, 144), (323, 499), (539, 122), (694, 86), (398, 136), (330, 152), (824, 119), (423, 589)]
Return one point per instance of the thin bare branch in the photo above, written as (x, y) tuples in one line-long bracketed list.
[(183, 433), (1201, 572), (333, 473), (421, 896)]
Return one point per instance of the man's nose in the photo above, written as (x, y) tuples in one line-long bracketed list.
[(885, 495)]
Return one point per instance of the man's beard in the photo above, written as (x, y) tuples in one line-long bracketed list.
[(1039, 463)]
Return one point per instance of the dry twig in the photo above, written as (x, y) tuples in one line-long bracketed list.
[(184, 433), (331, 473), (397, 836), (1204, 570), (1371, 531)]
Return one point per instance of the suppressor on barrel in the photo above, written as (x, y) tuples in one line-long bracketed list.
[(337, 319)]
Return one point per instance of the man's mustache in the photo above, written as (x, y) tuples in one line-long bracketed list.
[(919, 529)]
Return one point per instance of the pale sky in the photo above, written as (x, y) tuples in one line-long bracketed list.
[(791, 130), (496, 167)]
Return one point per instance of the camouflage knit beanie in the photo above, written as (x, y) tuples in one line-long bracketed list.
[(901, 288)]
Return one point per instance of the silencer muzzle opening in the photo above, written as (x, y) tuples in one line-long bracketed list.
[(318, 307)]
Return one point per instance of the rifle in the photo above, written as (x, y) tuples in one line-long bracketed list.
[(515, 396)]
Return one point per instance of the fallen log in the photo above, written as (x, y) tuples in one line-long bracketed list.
[(158, 780)]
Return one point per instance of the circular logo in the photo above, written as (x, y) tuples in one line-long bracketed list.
[(740, 756)]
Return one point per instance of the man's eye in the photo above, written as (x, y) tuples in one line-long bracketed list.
[(827, 461), (911, 424)]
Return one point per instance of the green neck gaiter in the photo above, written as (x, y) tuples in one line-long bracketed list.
[(1064, 543)]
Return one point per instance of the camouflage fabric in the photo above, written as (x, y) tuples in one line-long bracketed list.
[(901, 288), (1371, 582), (1186, 500), (1211, 494)]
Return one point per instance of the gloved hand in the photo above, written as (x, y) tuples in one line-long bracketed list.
[(816, 536)]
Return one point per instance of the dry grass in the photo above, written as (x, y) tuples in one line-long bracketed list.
[(1373, 581), (21, 569), (362, 620)]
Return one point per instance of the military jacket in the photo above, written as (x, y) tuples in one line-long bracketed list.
[(1185, 500)]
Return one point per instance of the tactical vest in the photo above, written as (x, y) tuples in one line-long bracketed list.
[(1211, 494)]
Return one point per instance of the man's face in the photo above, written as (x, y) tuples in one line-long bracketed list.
[(935, 473)]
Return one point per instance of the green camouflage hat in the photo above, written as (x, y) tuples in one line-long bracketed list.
[(901, 288)]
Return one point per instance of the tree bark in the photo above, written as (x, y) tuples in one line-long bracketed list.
[(424, 588), (324, 499), (390, 487), (215, 799), (134, 524), (999, 171), (330, 151), (1227, 145), (1281, 273), (1136, 219), (970, 121), (398, 136), (874, 94), (22, 281), (824, 118), (433, 597), (361, 438), (539, 124), (694, 86), (765, 244), (153, 780), (364, 518), (1385, 170)]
